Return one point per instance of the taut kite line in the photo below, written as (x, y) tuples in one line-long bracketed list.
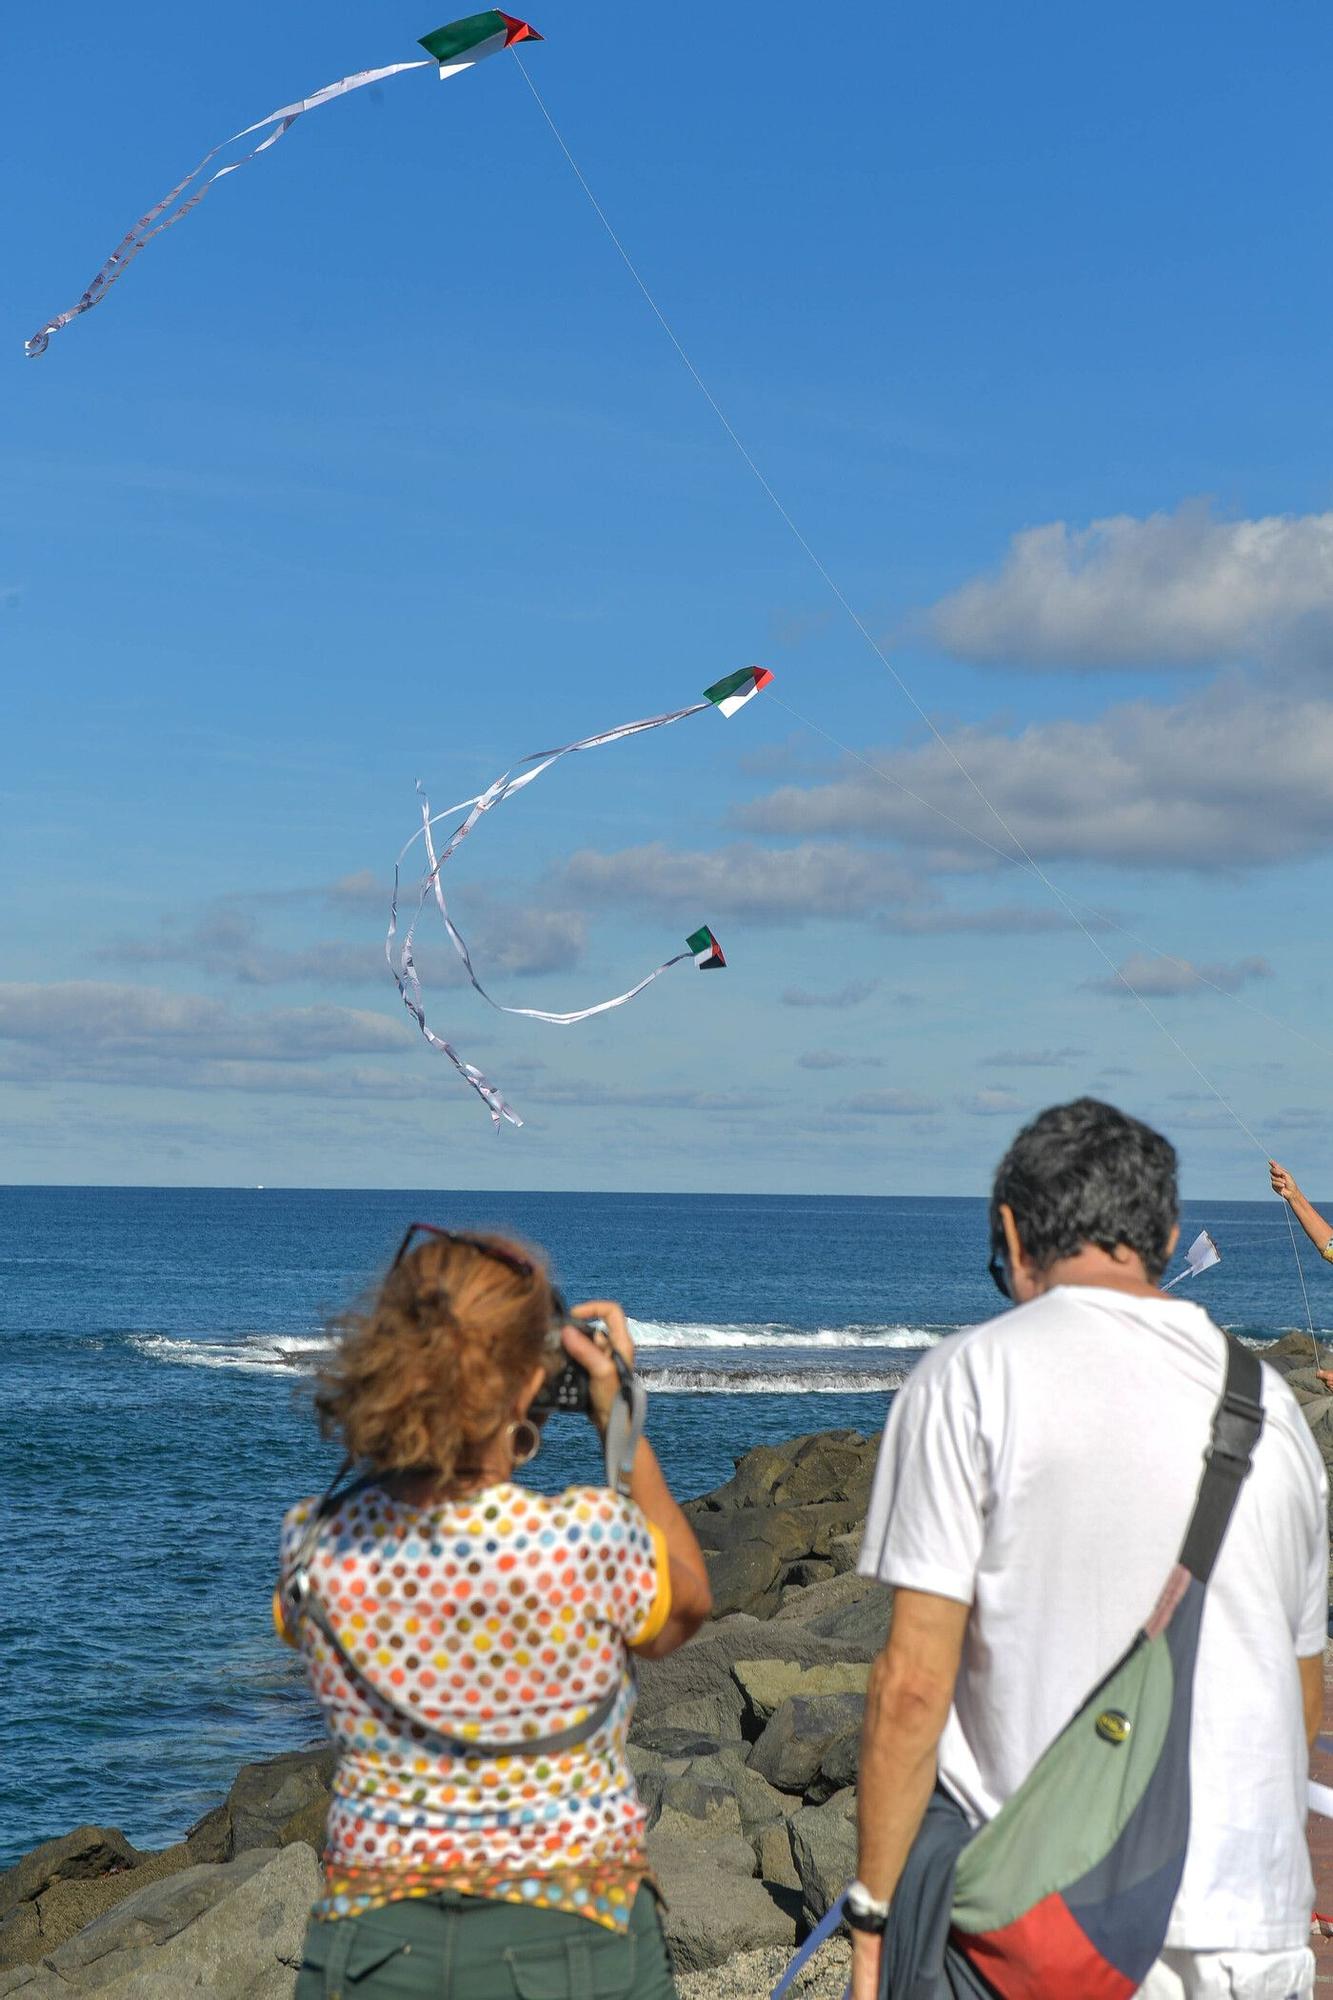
[(726, 696), (453, 48)]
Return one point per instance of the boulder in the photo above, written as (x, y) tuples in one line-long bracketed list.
[(714, 1906), (757, 1473), (830, 1593), (858, 1629), (839, 1768), (702, 1669), (81, 1856), (823, 1848), (845, 1551), (673, 1744), (1291, 1351), (694, 1795), (799, 1733), (798, 1575), (270, 1804), (758, 1803), (230, 1931), (766, 1684), (773, 1853)]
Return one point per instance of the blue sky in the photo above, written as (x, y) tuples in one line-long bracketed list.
[(380, 468)]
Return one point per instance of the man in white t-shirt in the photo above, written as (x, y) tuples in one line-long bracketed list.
[(1033, 1487)]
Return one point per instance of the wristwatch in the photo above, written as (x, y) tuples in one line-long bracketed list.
[(865, 1912)]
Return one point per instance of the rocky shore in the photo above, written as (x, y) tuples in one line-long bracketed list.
[(744, 1745)]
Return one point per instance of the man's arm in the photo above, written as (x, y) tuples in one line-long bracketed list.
[(1311, 1221), (1312, 1694), (907, 1705)]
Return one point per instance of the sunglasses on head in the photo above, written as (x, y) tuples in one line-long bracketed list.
[(520, 1266)]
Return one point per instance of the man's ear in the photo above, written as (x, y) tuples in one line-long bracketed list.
[(1171, 1241), (1014, 1254), (1023, 1274)]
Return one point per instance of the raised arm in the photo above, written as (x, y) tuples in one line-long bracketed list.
[(691, 1597), (1312, 1222)]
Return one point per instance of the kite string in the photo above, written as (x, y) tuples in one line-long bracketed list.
[(909, 695)]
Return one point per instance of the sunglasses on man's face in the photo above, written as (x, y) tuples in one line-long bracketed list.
[(520, 1266), (999, 1270)]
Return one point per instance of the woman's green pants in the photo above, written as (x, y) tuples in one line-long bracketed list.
[(461, 1948)]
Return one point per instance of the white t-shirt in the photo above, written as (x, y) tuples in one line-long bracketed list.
[(1042, 1468)]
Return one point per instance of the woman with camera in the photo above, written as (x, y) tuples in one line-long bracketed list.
[(469, 1641)]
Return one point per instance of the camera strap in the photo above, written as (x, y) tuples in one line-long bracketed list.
[(301, 1600), (624, 1427)]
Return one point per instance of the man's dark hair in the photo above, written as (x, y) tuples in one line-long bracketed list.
[(1084, 1173)]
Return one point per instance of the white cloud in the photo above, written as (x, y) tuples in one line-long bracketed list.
[(778, 885), (83, 1015), (1183, 588), (1227, 779), (1168, 978), (227, 942), (850, 995), (835, 1059), (991, 1104), (1034, 1058), (885, 1104)]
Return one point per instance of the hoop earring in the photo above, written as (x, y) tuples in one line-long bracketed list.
[(524, 1440)]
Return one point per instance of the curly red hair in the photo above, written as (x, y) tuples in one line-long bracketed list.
[(426, 1374)]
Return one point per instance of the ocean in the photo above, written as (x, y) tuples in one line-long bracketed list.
[(153, 1425)]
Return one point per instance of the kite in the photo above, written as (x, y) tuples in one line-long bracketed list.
[(726, 696), (451, 49), (1202, 1254)]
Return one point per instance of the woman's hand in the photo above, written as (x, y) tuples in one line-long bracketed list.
[(603, 1380), (1282, 1181)]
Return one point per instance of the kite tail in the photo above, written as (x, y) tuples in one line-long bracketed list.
[(409, 989), (148, 226)]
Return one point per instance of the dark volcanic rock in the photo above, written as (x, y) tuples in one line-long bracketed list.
[(88, 1852), (823, 1847), (800, 1733)]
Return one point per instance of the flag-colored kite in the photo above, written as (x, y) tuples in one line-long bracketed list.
[(461, 43), (1202, 1254), (733, 692), (708, 954), (701, 945), (452, 48)]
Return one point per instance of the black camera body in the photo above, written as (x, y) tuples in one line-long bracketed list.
[(567, 1391)]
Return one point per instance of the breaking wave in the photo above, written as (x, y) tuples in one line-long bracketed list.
[(772, 1381), (256, 1352), (650, 1333), (797, 1358)]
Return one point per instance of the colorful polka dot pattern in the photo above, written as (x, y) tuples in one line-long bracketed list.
[(498, 1618)]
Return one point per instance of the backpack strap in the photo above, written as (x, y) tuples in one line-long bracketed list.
[(1237, 1422)]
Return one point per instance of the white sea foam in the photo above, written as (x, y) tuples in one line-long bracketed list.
[(259, 1352), (296, 1352), (772, 1382), (650, 1334)]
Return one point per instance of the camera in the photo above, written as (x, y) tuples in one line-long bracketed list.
[(567, 1390)]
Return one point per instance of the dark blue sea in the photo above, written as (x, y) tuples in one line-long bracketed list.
[(153, 1426)]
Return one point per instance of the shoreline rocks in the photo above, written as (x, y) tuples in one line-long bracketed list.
[(744, 1744)]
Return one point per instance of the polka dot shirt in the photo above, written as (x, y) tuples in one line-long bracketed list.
[(500, 1618)]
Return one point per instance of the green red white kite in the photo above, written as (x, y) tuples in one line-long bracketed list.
[(701, 945), (708, 953), (461, 43), (732, 693), (453, 48)]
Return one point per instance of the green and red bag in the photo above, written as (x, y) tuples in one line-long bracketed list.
[(1069, 1889)]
